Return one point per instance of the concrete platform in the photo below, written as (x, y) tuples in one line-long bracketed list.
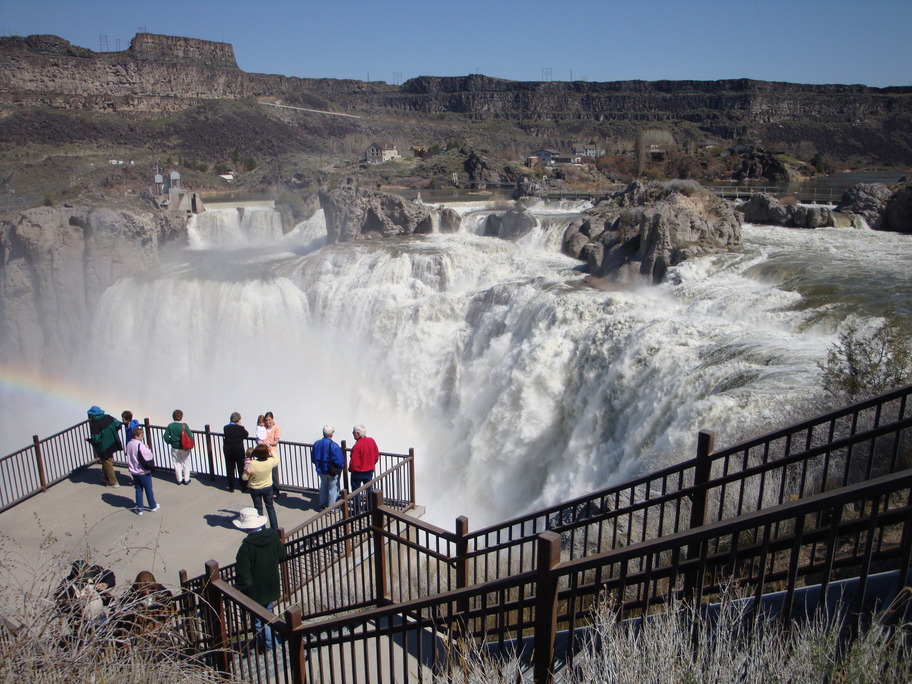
[(82, 518)]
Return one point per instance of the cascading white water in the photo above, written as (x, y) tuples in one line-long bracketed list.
[(517, 385)]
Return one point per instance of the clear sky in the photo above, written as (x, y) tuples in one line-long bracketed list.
[(800, 41)]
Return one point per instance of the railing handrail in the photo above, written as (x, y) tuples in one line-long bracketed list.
[(682, 466)]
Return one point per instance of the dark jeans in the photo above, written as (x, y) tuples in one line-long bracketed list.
[(362, 502), (143, 483), (234, 467), (263, 498)]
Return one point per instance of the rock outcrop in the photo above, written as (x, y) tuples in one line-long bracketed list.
[(353, 212), (897, 214), (643, 230), (761, 164), (55, 263), (766, 209), (866, 200)]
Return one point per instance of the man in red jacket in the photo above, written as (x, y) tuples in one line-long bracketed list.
[(363, 459)]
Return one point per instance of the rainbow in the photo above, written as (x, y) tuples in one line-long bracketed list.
[(50, 403)]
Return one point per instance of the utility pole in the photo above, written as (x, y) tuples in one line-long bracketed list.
[(103, 43)]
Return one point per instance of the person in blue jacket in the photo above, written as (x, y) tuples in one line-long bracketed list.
[(329, 461)]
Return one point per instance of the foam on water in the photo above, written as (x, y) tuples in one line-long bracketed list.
[(517, 385)]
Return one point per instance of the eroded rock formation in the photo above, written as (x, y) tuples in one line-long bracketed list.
[(354, 212), (766, 209), (643, 230)]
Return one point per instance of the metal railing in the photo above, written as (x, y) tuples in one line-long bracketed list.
[(853, 531), (53, 459)]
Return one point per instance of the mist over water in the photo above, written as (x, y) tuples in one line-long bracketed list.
[(517, 385)]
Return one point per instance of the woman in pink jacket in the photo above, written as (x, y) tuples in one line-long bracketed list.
[(137, 452)]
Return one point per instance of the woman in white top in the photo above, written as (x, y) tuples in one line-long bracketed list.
[(142, 477)]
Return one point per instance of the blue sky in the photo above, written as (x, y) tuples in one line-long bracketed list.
[(800, 41)]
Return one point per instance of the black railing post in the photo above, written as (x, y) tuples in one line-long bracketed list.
[(702, 469), (39, 461), (344, 467), (547, 558), (462, 552), (296, 644), (283, 567), (381, 586), (346, 520), (414, 499), (210, 453), (214, 616)]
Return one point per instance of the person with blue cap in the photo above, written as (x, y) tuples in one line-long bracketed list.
[(105, 439)]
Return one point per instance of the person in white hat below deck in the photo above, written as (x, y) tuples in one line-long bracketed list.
[(258, 561)]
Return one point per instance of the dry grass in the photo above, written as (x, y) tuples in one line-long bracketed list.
[(44, 639), (683, 645)]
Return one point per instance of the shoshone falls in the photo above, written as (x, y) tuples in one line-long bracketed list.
[(517, 385)]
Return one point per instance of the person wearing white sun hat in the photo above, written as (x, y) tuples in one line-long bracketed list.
[(257, 570)]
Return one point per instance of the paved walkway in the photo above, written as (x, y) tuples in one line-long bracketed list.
[(81, 518)]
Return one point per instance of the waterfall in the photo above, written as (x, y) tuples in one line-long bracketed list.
[(517, 385)]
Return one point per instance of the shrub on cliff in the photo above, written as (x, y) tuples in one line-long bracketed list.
[(867, 361)]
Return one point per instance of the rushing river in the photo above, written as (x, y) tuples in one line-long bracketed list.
[(517, 386)]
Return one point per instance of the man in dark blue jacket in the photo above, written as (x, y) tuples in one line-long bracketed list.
[(329, 461)]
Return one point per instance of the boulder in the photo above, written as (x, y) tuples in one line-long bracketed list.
[(897, 214), (353, 213), (515, 222), (645, 229), (866, 200), (450, 220), (765, 209), (760, 164)]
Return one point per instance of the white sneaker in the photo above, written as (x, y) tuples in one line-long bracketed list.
[(138, 511), (157, 506)]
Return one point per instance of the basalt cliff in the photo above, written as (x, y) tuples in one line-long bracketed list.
[(166, 74)]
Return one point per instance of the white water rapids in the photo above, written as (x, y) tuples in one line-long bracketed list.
[(517, 385)]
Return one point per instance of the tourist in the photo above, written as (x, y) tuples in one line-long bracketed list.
[(140, 463), (257, 569), (261, 429), (129, 423), (273, 435), (259, 482), (84, 595), (235, 436), (363, 459), (329, 461), (180, 448), (145, 608), (105, 440)]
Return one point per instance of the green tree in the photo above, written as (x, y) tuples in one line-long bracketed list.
[(864, 362)]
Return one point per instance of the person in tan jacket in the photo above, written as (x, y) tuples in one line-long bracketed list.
[(259, 482)]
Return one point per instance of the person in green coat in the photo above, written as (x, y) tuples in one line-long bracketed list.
[(179, 454), (104, 436), (257, 570)]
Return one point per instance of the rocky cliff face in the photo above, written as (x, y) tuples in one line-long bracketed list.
[(164, 73), (156, 73), (55, 262)]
